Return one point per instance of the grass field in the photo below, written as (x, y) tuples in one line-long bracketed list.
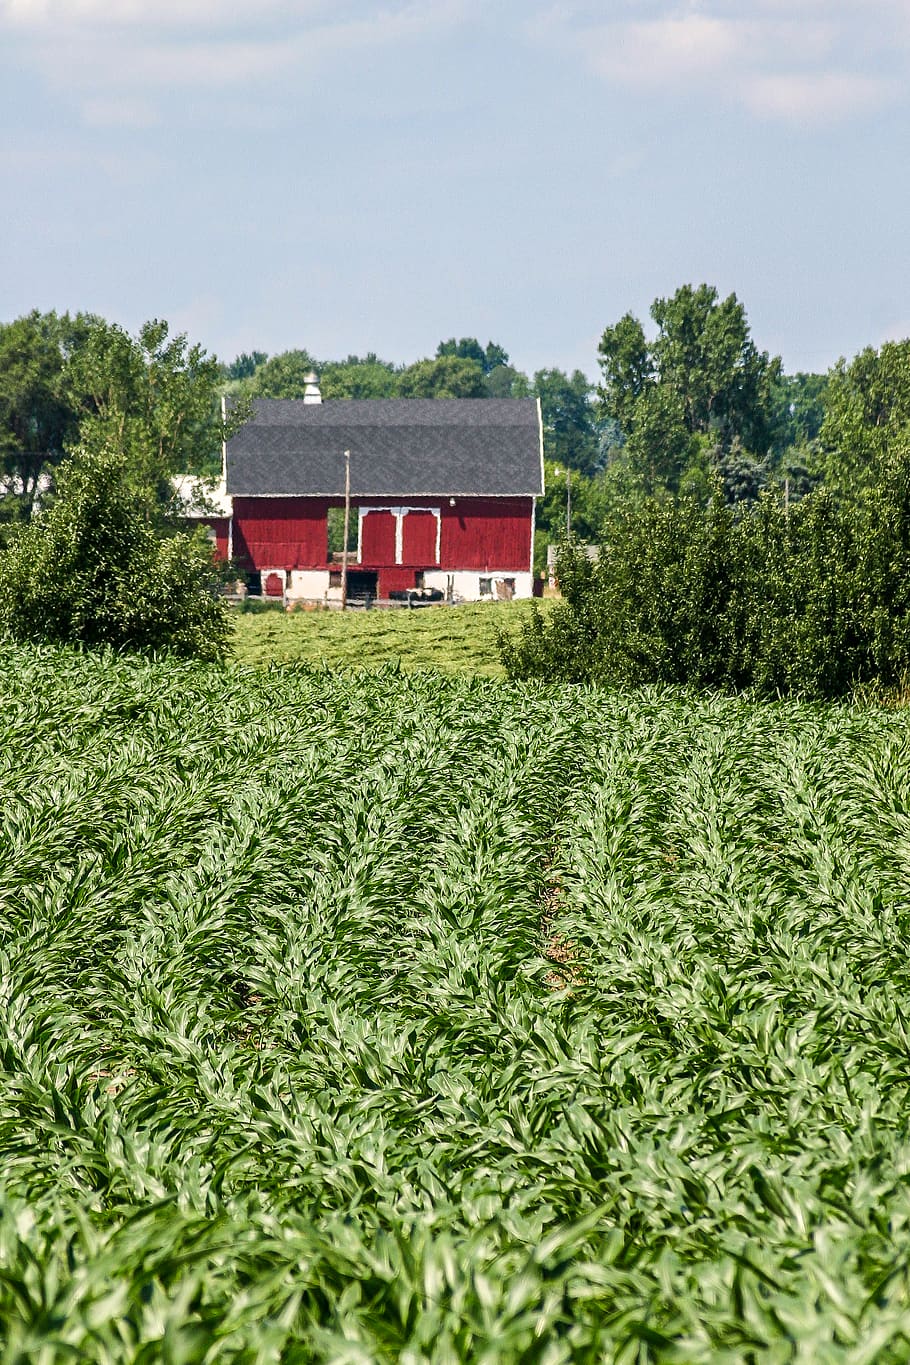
[(452, 639), (424, 1019)]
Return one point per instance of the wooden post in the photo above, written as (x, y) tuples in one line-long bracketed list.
[(347, 527)]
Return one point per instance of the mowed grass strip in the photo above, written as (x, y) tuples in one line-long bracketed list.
[(453, 639)]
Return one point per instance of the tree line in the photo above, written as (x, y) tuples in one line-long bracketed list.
[(690, 424)]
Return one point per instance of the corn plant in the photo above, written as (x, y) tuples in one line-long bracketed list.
[(400, 1018)]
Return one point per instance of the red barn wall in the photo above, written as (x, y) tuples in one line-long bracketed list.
[(477, 533), (220, 526), (487, 533), (281, 533)]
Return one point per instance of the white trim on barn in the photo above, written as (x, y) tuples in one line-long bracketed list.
[(399, 513)]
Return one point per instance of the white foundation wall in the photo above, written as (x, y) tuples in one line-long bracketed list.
[(472, 586), (310, 585)]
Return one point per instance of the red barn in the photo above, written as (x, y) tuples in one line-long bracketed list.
[(442, 495)]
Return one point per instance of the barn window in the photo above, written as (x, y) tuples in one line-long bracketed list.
[(486, 587), (334, 578)]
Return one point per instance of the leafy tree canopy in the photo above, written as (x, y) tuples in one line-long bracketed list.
[(152, 397), (37, 416), (368, 377), (447, 377), (798, 402), (283, 376), (92, 570), (245, 365), (569, 431), (867, 414), (469, 348), (701, 374)]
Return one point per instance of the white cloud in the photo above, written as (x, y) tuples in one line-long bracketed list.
[(117, 58), (795, 60)]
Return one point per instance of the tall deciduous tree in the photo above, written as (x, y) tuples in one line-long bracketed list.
[(867, 415), (701, 374), (569, 433), (245, 365), (37, 417), (91, 570), (153, 398)]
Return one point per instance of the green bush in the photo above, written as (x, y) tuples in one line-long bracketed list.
[(812, 601), (95, 569)]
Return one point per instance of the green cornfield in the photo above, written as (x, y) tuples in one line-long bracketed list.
[(381, 1017)]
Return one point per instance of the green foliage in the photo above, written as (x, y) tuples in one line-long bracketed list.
[(504, 381), (245, 365), (93, 570), (799, 404), (153, 397), (701, 375), (447, 377), (408, 1019), (37, 416), (867, 412), (569, 433), (469, 348), (335, 525), (660, 444), (369, 377), (591, 503), (282, 376), (813, 599)]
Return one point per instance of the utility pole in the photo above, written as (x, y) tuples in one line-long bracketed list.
[(568, 502), (347, 526)]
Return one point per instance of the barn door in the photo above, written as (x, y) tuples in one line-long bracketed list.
[(377, 539), (418, 538)]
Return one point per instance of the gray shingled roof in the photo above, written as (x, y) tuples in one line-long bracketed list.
[(399, 447)]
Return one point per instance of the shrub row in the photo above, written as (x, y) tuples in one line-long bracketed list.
[(810, 600)]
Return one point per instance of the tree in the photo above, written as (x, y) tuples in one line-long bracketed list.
[(660, 444), (469, 348), (92, 570), (368, 377), (37, 416), (447, 377), (628, 370), (568, 420), (702, 374), (867, 415), (504, 381), (153, 398), (283, 376), (245, 365), (798, 402), (810, 599)]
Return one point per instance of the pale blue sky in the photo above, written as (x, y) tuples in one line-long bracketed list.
[(350, 176)]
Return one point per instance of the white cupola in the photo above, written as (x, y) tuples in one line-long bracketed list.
[(311, 393)]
